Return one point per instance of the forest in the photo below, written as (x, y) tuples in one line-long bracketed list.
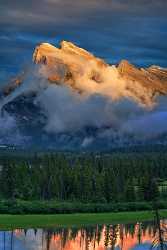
[(110, 180)]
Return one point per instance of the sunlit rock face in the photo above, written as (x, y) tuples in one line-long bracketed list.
[(146, 83), (70, 65), (84, 72)]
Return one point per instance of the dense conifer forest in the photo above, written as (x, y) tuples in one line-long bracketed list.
[(85, 178)]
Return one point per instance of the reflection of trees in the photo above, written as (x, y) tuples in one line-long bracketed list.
[(107, 237), (12, 242), (111, 234), (140, 233), (4, 239), (160, 239), (48, 238)]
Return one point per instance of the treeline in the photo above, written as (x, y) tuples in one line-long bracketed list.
[(85, 178), (15, 206)]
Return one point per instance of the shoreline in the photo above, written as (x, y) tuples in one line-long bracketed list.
[(9, 222)]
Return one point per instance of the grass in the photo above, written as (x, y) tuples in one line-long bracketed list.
[(65, 220)]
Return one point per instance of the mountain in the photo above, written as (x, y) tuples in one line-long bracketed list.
[(92, 94), (71, 65)]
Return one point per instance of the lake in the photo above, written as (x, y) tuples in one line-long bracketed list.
[(130, 236)]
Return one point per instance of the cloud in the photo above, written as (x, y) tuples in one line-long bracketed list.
[(67, 112), (87, 141), (104, 110), (9, 131), (148, 126), (71, 118)]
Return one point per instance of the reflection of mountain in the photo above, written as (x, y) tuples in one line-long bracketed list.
[(120, 236), (71, 99)]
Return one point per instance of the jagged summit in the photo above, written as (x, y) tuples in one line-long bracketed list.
[(46, 50), (75, 67)]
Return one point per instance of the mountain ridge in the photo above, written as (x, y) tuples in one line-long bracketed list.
[(71, 65)]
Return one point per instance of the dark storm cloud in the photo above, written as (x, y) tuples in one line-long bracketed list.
[(112, 29), (28, 15)]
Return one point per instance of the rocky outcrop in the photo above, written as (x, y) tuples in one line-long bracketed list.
[(153, 79), (71, 65), (68, 63), (145, 83), (12, 85)]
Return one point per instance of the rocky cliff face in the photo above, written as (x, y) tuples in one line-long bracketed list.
[(70, 65), (145, 83)]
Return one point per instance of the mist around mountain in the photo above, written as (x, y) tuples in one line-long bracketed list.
[(70, 99)]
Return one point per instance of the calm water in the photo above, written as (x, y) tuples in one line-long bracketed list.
[(131, 236)]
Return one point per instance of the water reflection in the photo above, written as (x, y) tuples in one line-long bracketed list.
[(107, 237)]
